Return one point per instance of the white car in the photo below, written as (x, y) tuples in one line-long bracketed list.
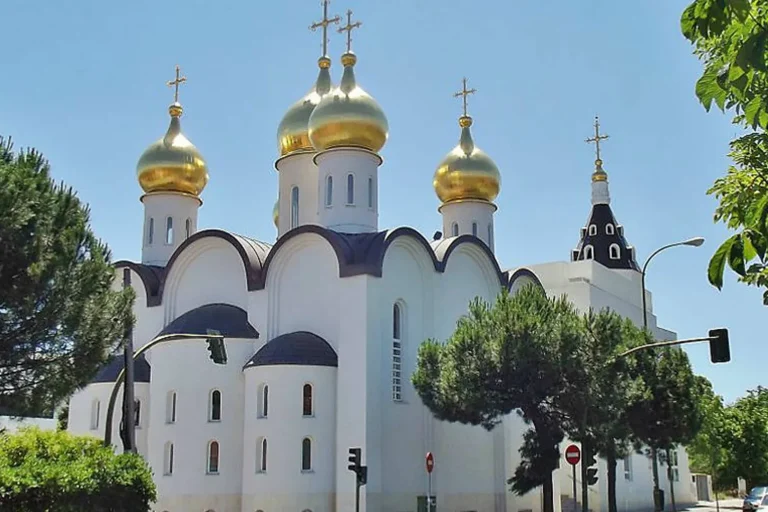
[(756, 499)]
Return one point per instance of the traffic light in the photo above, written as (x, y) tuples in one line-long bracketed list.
[(719, 347), (362, 476), (591, 476), (589, 462), (216, 348), (354, 460)]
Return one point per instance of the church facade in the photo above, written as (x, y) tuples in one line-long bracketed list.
[(322, 326)]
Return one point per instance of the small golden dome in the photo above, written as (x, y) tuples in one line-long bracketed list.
[(173, 164), (293, 131), (467, 172), (599, 174), (276, 213), (348, 116)]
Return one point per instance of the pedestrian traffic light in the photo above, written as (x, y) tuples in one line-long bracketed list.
[(216, 348), (590, 461), (591, 476), (719, 347), (354, 460)]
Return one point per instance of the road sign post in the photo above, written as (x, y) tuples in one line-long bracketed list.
[(430, 463), (572, 457)]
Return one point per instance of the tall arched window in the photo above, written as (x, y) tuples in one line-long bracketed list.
[(455, 229), (168, 459), (215, 406), (262, 455), (474, 229), (262, 401), (213, 457), (370, 192), (306, 454), (306, 395), (170, 407), (609, 229), (614, 251), (589, 253), (95, 412), (294, 207), (490, 235), (137, 413), (187, 228), (592, 230), (397, 386), (169, 230), (151, 231), (350, 189), (329, 191)]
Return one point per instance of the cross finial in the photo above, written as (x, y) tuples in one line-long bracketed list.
[(348, 28), (464, 93), (324, 24), (597, 138), (175, 83)]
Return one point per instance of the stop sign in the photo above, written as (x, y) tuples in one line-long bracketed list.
[(572, 454), (430, 462)]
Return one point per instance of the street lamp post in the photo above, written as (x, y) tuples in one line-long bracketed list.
[(692, 242), (215, 340)]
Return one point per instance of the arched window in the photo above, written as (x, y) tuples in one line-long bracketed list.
[(95, 412), (609, 229), (213, 457), (397, 386), (350, 189), (329, 191), (169, 230), (306, 395), (294, 207), (474, 229), (137, 413), (614, 251), (262, 401), (187, 228), (592, 230), (490, 235), (589, 252), (168, 459), (261, 458), (370, 192), (170, 407), (151, 231), (306, 454), (455, 229), (214, 408)]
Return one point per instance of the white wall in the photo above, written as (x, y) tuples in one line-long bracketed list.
[(159, 206), (464, 214), (297, 170)]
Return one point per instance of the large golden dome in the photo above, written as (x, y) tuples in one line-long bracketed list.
[(348, 116), (173, 163), (467, 172), (293, 131)]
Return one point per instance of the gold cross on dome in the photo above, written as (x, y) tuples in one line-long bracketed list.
[(175, 83), (597, 138), (464, 93), (324, 24), (348, 29)]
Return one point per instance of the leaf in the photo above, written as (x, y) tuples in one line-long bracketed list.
[(688, 22), (765, 298), (736, 255), (717, 263), (739, 8), (758, 242), (756, 213), (706, 88), (752, 109)]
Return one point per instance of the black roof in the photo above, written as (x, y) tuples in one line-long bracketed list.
[(606, 233), (300, 348), (108, 373), (231, 321)]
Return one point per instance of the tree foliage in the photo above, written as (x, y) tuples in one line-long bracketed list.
[(59, 317), (53, 471), (730, 37), (706, 452)]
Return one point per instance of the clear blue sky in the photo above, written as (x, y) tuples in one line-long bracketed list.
[(84, 82)]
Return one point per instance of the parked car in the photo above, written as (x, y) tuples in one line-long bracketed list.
[(756, 499)]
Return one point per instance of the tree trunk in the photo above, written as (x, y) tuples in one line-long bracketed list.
[(611, 462), (548, 491)]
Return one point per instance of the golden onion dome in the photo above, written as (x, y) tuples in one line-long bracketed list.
[(276, 213), (348, 116), (173, 163), (293, 131), (599, 174), (467, 172)]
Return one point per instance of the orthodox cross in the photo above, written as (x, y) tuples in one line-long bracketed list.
[(348, 29), (597, 138), (324, 23), (464, 93), (175, 83)]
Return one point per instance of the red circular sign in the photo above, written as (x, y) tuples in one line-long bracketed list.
[(430, 462), (572, 454)]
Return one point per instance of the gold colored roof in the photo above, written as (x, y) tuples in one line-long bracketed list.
[(172, 163), (599, 174), (467, 172), (276, 213)]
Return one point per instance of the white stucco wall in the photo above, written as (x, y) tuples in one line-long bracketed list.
[(297, 170), (466, 213), (159, 207)]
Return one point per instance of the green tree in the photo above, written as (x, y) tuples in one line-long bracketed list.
[(54, 471), (516, 354), (59, 317), (746, 438), (706, 452), (730, 37)]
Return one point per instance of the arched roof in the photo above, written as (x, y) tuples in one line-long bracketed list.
[(109, 372), (300, 348), (231, 321)]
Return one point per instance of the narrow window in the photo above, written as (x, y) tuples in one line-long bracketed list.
[(350, 189), (474, 229), (306, 454), (263, 401), (592, 230), (307, 400), (170, 407), (614, 251), (168, 459), (215, 406), (294, 207), (169, 230), (628, 468), (455, 229), (187, 228), (397, 388), (95, 412), (137, 413), (151, 231), (370, 192), (609, 229), (263, 455), (589, 252), (490, 235), (329, 191), (213, 457)]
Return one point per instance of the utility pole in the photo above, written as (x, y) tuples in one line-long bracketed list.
[(128, 433)]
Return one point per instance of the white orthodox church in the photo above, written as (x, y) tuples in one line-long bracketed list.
[(322, 327)]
